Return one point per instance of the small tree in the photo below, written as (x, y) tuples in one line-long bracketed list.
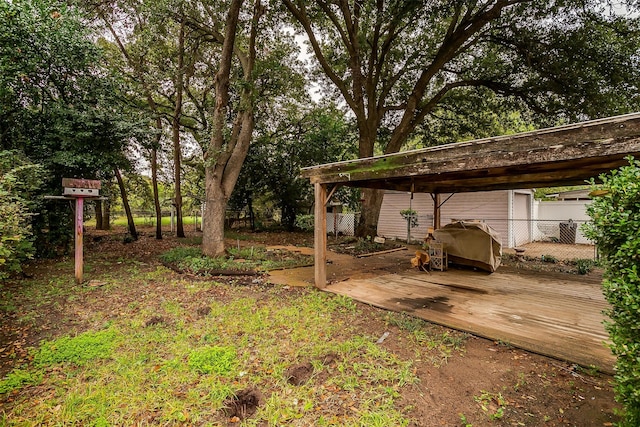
[(615, 227)]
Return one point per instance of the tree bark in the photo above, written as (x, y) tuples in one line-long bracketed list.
[(252, 217), (229, 146), (125, 202), (156, 193), (175, 127), (371, 202), (213, 217), (98, 211), (370, 212), (106, 216)]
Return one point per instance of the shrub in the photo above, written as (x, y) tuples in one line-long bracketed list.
[(305, 222), (584, 266), (17, 181), (549, 258), (615, 227), (410, 216)]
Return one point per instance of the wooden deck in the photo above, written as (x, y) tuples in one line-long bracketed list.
[(556, 317)]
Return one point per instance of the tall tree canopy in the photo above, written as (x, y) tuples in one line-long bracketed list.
[(57, 104), (395, 63)]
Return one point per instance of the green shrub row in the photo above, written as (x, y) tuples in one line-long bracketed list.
[(615, 227)]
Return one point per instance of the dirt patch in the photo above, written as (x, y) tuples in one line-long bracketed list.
[(155, 320), (358, 247), (203, 311), (243, 405), (299, 374)]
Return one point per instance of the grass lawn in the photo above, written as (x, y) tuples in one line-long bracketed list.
[(144, 346), (121, 221), (141, 344)]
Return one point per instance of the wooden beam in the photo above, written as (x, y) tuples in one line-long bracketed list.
[(409, 165), (585, 136), (320, 236), (527, 170)]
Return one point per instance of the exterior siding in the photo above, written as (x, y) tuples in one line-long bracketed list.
[(393, 226), (489, 206)]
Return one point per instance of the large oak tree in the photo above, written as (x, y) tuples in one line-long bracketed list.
[(396, 62)]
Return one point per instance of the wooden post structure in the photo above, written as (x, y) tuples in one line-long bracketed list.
[(79, 189), (436, 210), (320, 236), (79, 225)]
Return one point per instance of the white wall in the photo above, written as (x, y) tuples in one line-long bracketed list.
[(551, 212), (393, 226), (490, 206)]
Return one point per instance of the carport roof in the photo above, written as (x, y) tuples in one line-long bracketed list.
[(563, 155)]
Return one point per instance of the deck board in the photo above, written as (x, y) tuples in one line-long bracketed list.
[(561, 318)]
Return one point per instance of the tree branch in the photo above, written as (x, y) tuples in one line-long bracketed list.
[(302, 18)]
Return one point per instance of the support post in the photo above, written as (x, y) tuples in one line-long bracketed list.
[(78, 241), (436, 210), (320, 236)]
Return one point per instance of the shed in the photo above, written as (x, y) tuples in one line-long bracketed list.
[(563, 155)]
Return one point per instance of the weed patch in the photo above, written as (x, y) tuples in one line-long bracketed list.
[(79, 349), (249, 259), (440, 345), (19, 378), (216, 360), (492, 404)]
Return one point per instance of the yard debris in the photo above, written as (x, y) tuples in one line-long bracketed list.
[(382, 338), (421, 261), (96, 283), (381, 252)]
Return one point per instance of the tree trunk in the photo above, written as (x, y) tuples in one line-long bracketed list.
[(371, 198), (98, 210), (226, 153), (127, 208), (371, 204), (175, 127), (106, 216), (252, 217), (156, 193), (213, 217)]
